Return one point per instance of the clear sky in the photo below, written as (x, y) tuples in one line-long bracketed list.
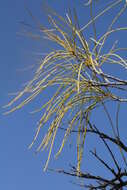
[(20, 168)]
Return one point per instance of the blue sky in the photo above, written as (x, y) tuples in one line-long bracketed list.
[(20, 168)]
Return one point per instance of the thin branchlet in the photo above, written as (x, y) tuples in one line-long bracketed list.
[(81, 84)]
